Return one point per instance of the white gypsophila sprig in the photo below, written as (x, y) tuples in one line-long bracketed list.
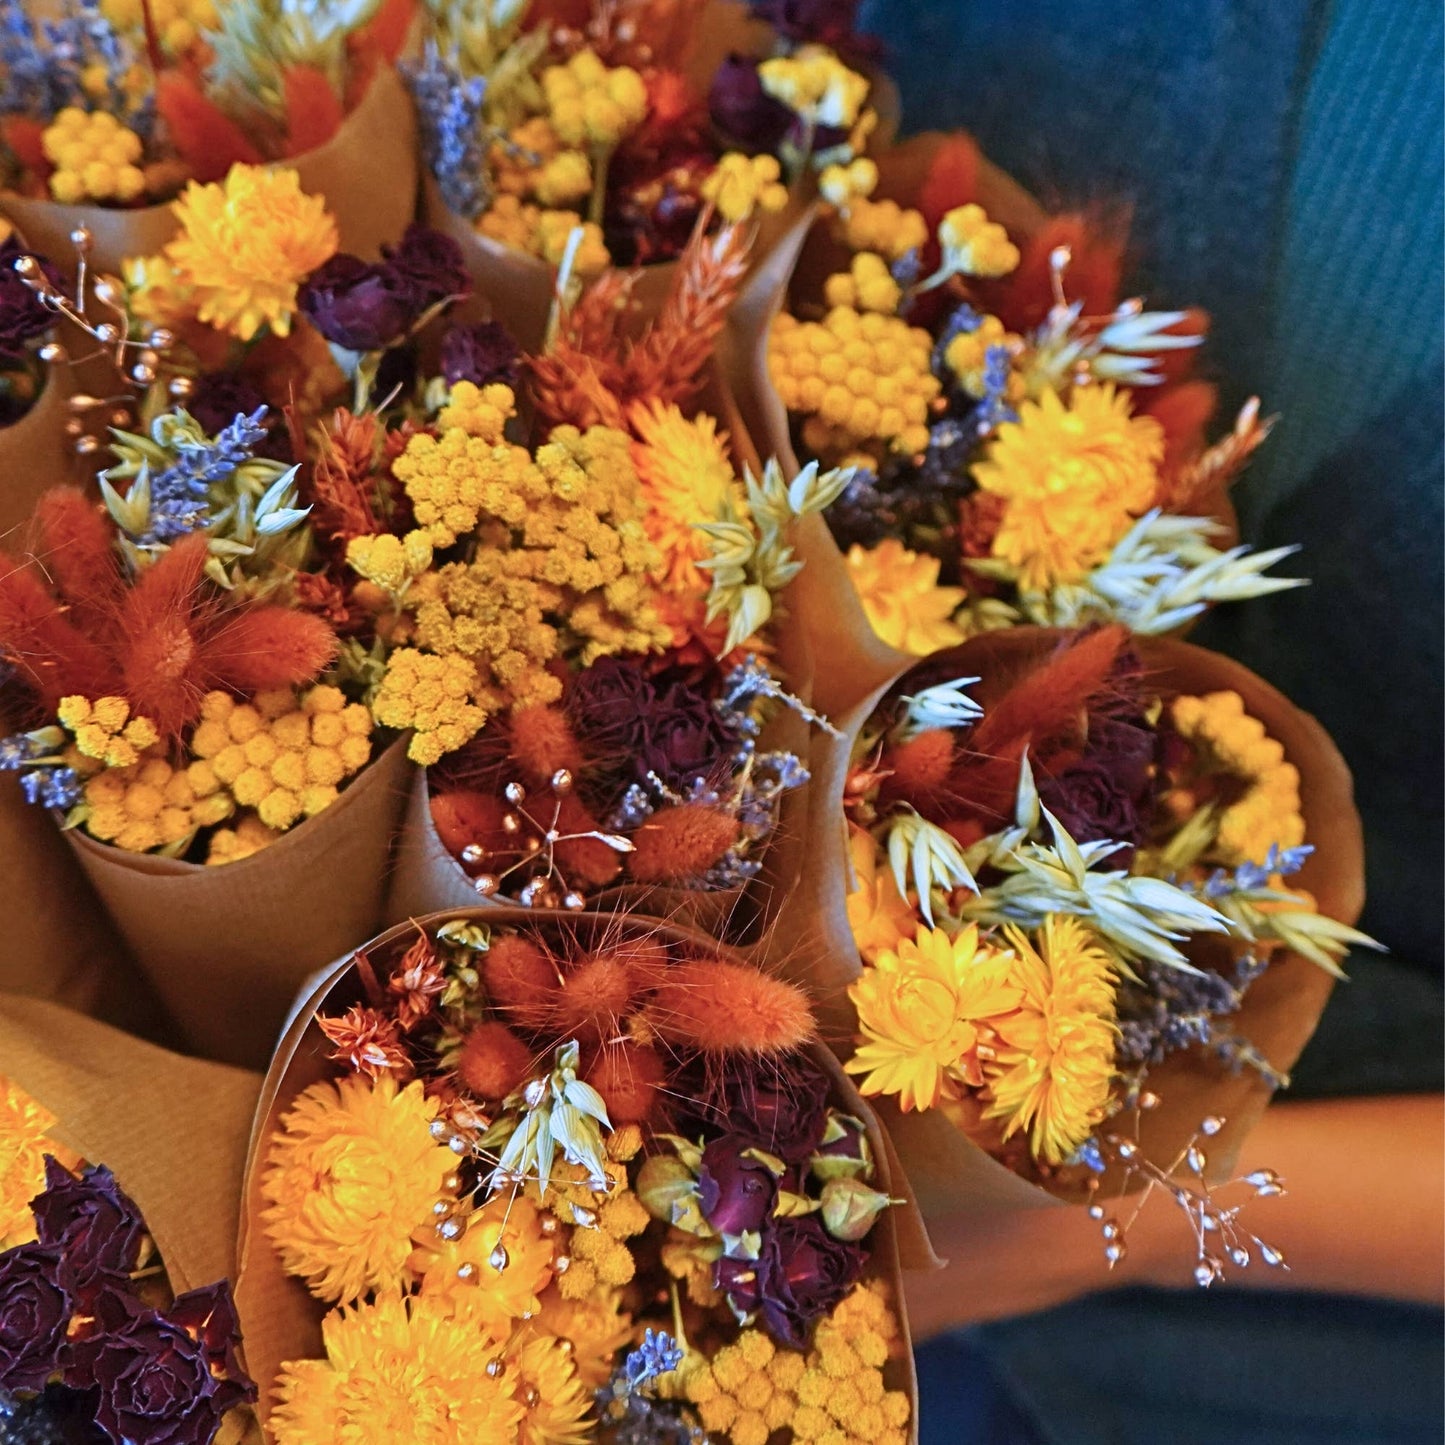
[(922, 855), (944, 705)]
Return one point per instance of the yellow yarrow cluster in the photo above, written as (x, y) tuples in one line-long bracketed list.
[(544, 232), (95, 157), (861, 379), (153, 804), (885, 227), (391, 562), (833, 1395), (592, 104), (967, 357), (246, 244), (741, 184), (104, 730), (433, 695), (867, 285), (816, 85), (179, 24), (902, 599), (972, 245), (284, 758), (1269, 811)]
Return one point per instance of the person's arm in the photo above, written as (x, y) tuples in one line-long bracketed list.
[(1363, 1215)]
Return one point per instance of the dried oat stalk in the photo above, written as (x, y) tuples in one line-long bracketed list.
[(1192, 487)]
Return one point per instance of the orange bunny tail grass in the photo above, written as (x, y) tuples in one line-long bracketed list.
[(522, 980), (208, 140), (629, 1077), (257, 648), (543, 742), (722, 1008), (594, 997), (464, 818), (583, 860), (920, 767), (1196, 487), (313, 109), (1093, 276), (681, 842), (46, 649), (386, 31), (952, 178), (75, 543), (493, 1061), (1184, 411), (25, 140)]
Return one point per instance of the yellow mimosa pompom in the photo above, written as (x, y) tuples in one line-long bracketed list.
[(230, 845), (867, 285), (245, 245), (740, 184), (972, 245), (843, 186), (351, 1174), (902, 599), (95, 157)]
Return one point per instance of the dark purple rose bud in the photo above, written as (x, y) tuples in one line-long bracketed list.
[(481, 354), (800, 1274), (844, 1151), (745, 113), (428, 266), (219, 397), (359, 306), (35, 1310), (1092, 804), (152, 1380), (96, 1227), (736, 1188), (819, 22), (22, 316), (783, 1112)]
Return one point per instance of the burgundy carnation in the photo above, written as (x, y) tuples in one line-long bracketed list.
[(800, 1274), (743, 110), (96, 1227), (735, 1189), (22, 314), (428, 266), (480, 354), (35, 1310)]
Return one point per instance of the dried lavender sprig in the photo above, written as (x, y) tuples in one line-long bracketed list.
[(449, 110), (180, 494)]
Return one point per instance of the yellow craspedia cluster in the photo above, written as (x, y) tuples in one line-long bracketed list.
[(1073, 479), (902, 598), (390, 561), (886, 227), (24, 1125), (741, 184), (815, 84), (589, 103), (282, 757), (972, 245), (95, 157), (867, 285), (545, 232), (833, 1395), (178, 23), (1269, 812), (153, 804), (845, 186), (352, 1172), (967, 357), (230, 845), (245, 245), (861, 379), (105, 730)]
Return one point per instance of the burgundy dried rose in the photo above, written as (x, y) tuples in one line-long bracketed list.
[(219, 397), (783, 1111), (428, 266), (800, 1274), (208, 1315), (743, 110), (736, 1189), (22, 315), (481, 354), (358, 305), (1092, 804), (35, 1311), (93, 1223)]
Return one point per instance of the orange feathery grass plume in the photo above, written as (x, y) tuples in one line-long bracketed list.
[(952, 178), (207, 139), (543, 743), (593, 374), (465, 817), (594, 998), (1022, 299), (681, 842), (920, 768), (522, 979), (386, 31), (721, 1007), (629, 1077), (585, 860), (1197, 484), (339, 485), (313, 109), (493, 1061), (1184, 411), (25, 140)]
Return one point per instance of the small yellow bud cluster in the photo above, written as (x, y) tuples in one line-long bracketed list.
[(390, 561), (816, 85), (967, 357), (152, 804), (516, 158), (283, 758), (975, 246), (741, 184), (885, 227), (859, 378), (230, 845), (867, 285), (104, 730), (1269, 812), (95, 157), (178, 23), (544, 233), (844, 186), (591, 104)]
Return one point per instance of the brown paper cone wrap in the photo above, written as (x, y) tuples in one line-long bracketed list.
[(281, 1319), (226, 947), (173, 1130), (35, 454), (367, 171), (813, 942)]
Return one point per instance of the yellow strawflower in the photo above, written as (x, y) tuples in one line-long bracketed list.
[(24, 1125), (596, 1326), (867, 285), (246, 244), (397, 1370), (901, 597), (591, 104), (95, 157), (1054, 1056), (741, 184), (105, 730), (924, 1009), (155, 291), (878, 914), (1074, 478), (815, 84), (557, 1401), (351, 1174)]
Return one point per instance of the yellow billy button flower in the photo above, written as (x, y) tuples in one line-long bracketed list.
[(924, 1010), (1073, 479), (867, 285), (544, 233), (843, 186), (565, 179), (885, 227), (105, 730), (816, 85), (967, 357), (95, 157), (152, 804), (592, 104), (972, 245), (741, 184), (1054, 1057), (901, 597), (351, 1175), (246, 244)]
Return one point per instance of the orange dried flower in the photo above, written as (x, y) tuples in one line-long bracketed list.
[(367, 1042), (681, 842), (723, 1007)]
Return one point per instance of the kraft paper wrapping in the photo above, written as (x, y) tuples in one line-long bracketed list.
[(225, 947), (35, 454), (813, 943), (173, 1130), (281, 1319), (367, 171)]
